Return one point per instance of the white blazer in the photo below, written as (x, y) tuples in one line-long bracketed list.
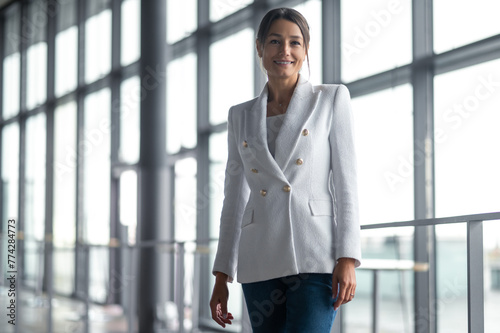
[(297, 212)]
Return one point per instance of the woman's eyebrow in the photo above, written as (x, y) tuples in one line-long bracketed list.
[(279, 35)]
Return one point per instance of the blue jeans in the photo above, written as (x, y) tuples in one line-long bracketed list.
[(297, 303)]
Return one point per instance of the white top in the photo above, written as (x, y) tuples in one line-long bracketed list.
[(273, 125)]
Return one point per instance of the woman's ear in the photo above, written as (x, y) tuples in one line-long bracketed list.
[(259, 48)]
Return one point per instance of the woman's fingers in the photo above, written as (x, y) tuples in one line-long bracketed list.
[(344, 278), (218, 304)]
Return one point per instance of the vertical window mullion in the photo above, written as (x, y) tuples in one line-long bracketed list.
[(114, 231), (422, 80), (24, 40), (203, 176), (331, 41), (79, 253), (49, 159)]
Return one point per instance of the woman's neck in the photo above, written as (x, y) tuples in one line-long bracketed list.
[(281, 90)]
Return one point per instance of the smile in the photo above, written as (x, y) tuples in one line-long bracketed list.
[(284, 62)]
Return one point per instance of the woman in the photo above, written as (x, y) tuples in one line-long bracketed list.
[(289, 222)]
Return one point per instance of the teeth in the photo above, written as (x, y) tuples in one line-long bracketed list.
[(283, 62)]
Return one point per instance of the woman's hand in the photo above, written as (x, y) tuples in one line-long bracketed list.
[(344, 281), (218, 302)]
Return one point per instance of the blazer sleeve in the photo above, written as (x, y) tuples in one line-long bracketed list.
[(344, 179), (236, 193)]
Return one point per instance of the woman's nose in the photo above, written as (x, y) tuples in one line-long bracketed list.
[(284, 49)]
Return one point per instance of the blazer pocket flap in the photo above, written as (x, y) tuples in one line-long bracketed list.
[(321, 207), (247, 217)]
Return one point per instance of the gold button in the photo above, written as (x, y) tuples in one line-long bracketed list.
[(245, 144), (263, 193), (305, 132), (287, 188), (299, 161), (255, 171)]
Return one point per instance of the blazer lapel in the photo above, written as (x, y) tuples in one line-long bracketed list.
[(256, 132), (299, 110)]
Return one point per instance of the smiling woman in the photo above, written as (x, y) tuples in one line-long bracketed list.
[(293, 245)]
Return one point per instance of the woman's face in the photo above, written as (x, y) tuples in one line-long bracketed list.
[(283, 51)]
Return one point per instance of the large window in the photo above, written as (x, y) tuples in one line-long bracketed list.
[(385, 162), (11, 63), (36, 57), (97, 41), (449, 16), (376, 36), (34, 189), (181, 104), (233, 55), (64, 201), (66, 48), (466, 122)]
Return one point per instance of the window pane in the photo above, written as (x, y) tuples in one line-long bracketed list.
[(384, 142), (222, 8), (215, 189), (128, 204), (66, 48), (95, 148), (11, 63), (34, 200), (180, 26), (452, 30), (129, 120), (11, 68), (130, 30), (466, 118), (65, 163), (451, 262), (36, 84), (185, 200), (10, 178), (376, 36), (35, 177), (64, 224), (10, 170), (36, 91), (491, 234), (312, 12), (234, 54), (98, 45), (181, 103), (66, 60)]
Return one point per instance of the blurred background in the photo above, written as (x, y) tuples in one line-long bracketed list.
[(113, 149)]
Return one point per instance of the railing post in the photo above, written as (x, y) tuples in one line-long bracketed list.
[(179, 285), (375, 302), (475, 282), (50, 281), (86, 251)]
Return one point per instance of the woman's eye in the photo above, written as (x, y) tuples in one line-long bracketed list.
[(295, 43), (274, 41)]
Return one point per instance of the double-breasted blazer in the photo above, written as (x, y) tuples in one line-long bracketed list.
[(296, 212)]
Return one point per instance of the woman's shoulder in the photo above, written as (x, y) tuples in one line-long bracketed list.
[(245, 105), (331, 88)]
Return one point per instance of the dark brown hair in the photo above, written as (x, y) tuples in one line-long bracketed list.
[(288, 14)]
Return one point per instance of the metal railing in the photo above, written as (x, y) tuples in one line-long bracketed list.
[(475, 265), (475, 287)]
